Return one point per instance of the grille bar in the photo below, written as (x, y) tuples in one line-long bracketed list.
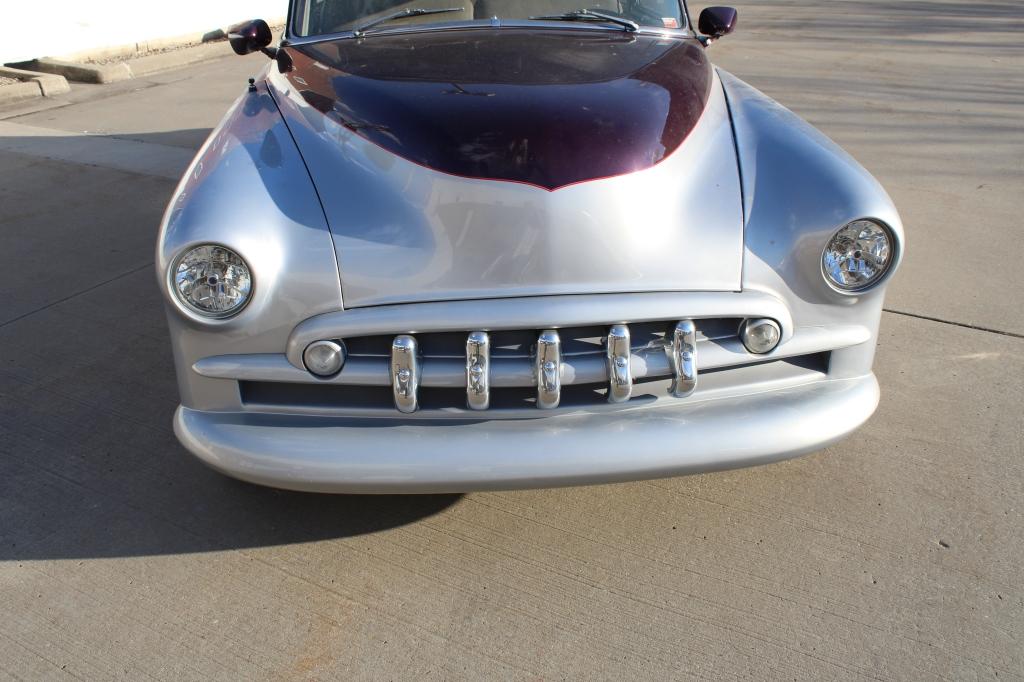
[(405, 371)]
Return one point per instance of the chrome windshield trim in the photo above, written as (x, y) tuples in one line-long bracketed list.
[(292, 40)]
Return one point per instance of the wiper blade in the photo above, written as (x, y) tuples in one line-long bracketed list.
[(414, 12), (591, 15)]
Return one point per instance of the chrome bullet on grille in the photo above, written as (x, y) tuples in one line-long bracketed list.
[(405, 373), (683, 358), (478, 360), (548, 369), (620, 380)]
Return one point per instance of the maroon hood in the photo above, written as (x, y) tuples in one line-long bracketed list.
[(548, 108)]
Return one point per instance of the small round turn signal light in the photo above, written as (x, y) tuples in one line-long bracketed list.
[(760, 335), (324, 358)]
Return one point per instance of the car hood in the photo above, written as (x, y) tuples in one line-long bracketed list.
[(502, 162)]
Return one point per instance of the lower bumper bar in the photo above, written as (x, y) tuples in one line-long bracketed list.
[(370, 455)]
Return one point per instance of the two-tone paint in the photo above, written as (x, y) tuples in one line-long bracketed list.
[(347, 230)]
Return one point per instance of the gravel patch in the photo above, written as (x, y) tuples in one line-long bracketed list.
[(4, 80), (135, 55)]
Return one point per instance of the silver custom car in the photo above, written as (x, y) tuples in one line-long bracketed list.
[(449, 246)]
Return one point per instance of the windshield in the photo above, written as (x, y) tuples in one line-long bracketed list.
[(320, 17)]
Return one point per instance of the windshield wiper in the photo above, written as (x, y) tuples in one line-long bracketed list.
[(591, 15), (358, 31)]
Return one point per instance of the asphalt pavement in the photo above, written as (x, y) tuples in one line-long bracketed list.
[(897, 554)]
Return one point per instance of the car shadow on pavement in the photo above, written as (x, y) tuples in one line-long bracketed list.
[(89, 464)]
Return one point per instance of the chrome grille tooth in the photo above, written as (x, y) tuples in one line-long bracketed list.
[(548, 369), (620, 379), (683, 359), (478, 370), (405, 373)]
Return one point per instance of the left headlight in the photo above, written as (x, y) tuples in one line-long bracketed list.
[(858, 256), (212, 280)]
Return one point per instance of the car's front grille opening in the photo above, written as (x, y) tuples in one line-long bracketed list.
[(522, 343), (519, 400)]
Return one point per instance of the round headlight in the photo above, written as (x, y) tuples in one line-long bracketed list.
[(212, 280), (858, 255)]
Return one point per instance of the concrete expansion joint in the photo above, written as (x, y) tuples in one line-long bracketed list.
[(965, 325)]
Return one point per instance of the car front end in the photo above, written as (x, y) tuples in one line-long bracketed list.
[(487, 254)]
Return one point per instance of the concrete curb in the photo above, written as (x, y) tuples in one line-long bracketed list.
[(182, 53), (33, 84), (82, 73), (19, 91)]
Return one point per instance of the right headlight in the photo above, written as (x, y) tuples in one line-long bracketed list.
[(212, 280), (858, 256)]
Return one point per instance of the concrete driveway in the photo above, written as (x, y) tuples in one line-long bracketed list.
[(898, 554)]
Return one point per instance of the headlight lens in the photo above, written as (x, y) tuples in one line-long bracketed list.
[(858, 255), (212, 280)]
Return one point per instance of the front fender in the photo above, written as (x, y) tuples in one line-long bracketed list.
[(248, 189), (799, 187)]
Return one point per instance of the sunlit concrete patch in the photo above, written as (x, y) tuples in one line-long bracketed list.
[(144, 158)]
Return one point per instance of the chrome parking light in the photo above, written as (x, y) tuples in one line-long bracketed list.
[(405, 373), (478, 360), (548, 369), (683, 358), (620, 380), (760, 335), (324, 358)]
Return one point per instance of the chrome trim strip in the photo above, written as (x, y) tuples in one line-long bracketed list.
[(620, 380), (478, 370), (683, 356), (405, 373), (548, 369)]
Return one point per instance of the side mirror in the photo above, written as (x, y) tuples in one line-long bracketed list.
[(716, 22), (255, 36)]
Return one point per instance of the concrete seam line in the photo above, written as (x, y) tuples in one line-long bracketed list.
[(104, 151), (74, 295), (965, 325)]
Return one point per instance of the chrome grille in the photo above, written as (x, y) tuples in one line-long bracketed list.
[(591, 363)]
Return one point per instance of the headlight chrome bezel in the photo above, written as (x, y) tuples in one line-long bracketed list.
[(884, 271), (188, 306)]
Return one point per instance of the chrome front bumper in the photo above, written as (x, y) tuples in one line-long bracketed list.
[(373, 455)]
